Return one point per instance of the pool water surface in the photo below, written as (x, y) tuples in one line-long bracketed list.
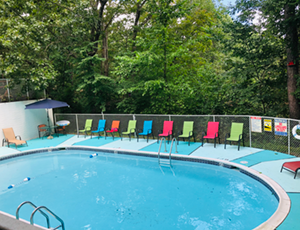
[(116, 191)]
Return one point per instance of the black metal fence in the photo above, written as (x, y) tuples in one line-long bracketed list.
[(18, 92), (264, 139)]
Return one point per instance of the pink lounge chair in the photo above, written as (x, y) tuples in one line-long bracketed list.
[(212, 132), (167, 130), (293, 167)]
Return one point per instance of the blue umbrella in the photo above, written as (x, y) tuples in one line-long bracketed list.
[(47, 104)]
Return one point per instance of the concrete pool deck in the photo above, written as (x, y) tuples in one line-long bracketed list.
[(264, 161)]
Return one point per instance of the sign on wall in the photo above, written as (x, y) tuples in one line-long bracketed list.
[(280, 127), (256, 124), (267, 125)]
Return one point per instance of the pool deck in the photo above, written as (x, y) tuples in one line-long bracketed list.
[(264, 161)]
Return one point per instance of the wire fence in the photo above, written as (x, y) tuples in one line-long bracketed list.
[(269, 133), (18, 92)]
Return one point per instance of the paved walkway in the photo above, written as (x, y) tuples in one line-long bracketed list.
[(265, 161)]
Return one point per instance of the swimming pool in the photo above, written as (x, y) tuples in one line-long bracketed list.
[(113, 191)]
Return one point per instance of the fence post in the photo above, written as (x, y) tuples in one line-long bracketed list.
[(250, 140), (170, 118), (76, 124), (214, 118), (102, 115), (8, 93), (289, 134)]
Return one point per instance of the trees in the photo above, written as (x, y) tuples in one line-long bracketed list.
[(280, 18)]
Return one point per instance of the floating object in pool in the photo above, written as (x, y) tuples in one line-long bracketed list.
[(27, 179), (244, 162), (11, 186), (93, 155)]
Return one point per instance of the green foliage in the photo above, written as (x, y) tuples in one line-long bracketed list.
[(163, 56)]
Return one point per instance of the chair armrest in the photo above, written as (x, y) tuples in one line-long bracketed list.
[(169, 132), (88, 128), (216, 134), (240, 136), (203, 134), (133, 130), (18, 136), (149, 131), (190, 133), (227, 135)]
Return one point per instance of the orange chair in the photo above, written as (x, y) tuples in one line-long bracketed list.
[(114, 128), (10, 138), (42, 129)]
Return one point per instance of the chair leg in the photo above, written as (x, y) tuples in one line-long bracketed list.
[(239, 142), (129, 136), (225, 144), (137, 137), (189, 140), (215, 142)]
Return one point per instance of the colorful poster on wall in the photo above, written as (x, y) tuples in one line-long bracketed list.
[(280, 127), (256, 124), (267, 125)]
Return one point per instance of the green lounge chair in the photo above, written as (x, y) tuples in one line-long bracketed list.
[(187, 132), (87, 128), (130, 130), (236, 134)]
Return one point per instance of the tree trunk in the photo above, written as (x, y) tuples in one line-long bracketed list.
[(292, 56), (105, 66)]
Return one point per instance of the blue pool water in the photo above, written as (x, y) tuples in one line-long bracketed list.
[(113, 191)]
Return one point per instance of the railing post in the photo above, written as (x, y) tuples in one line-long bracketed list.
[(77, 124), (102, 115), (289, 136), (250, 131), (8, 93)]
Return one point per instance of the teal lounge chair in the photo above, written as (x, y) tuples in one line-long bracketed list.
[(236, 134), (87, 128), (130, 130), (101, 127), (147, 130), (187, 132)]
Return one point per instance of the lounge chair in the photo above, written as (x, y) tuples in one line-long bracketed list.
[(187, 132), (114, 128), (87, 128), (212, 132), (236, 134), (167, 130), (101, 127), (130, 130), (147, 130), (293, 166), (10, 138), (42, 129)]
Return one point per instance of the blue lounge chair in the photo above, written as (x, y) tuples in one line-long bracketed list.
[(101, 128), (147, 130)]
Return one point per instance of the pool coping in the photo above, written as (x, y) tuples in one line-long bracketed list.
[(284, 202)]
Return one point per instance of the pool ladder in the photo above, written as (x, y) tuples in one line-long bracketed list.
[(166, 162), (38, 209)]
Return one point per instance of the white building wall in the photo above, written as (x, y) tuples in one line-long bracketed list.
[(23, 121)]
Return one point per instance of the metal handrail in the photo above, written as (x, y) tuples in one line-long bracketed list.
[(28, 202), (51, 213), (158, 153)]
